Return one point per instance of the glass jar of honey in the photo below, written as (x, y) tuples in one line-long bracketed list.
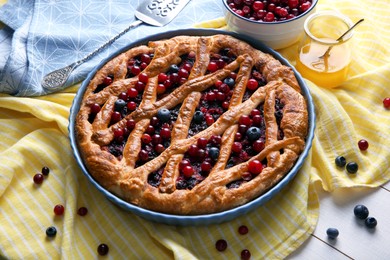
[(323, 58)]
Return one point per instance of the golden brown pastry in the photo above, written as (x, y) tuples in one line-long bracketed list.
[(191, 125)]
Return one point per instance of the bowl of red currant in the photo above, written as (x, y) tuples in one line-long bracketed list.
[(276, 23)]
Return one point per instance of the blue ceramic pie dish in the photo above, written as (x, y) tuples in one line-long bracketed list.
[(186, 220)]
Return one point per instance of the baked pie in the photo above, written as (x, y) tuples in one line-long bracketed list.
[(192, 124)]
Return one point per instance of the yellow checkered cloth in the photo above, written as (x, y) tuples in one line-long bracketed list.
[(34, 134)]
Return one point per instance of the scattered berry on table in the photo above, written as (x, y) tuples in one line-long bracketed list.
[(51, 231), (361, 211), (38, 178), (352, 167), (59, 209), (363, 144), (245, 254), (386, 103), (45, 170), (340, 161), (102, 249), (82, 211), (243, 230), (221, 245), (332, 233), (370, 222)]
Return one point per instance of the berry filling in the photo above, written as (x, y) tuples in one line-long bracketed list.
[(120, 137), (213, 103), (220, 60), (154, 178), (157, 136), (250, 140), (105, 82), (198, 162), (176, 75), (255, 81), (138, 63)]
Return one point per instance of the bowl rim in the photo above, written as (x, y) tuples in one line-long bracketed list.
[(314, 3), (205, 219)]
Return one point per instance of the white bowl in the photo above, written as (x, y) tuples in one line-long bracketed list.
[(276, 35)]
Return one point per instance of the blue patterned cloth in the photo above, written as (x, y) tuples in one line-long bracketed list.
[(44, 35)]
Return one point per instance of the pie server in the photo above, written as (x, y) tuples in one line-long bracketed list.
[(153, 12)]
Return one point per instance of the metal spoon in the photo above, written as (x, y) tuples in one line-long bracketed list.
[(340, 38), (153, 12)]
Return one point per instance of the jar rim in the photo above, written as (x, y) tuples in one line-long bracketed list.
[(333, 14)]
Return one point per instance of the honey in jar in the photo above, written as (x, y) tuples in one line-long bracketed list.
[(322, 58)]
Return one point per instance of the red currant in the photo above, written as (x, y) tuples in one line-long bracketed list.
[(82, 211), (245, 254), (243, 230), (363, 144), (132, 93), (130, 124), (107, 81), (146, 58), (188, 171), (135, 70), (59, 209), (161, 88), (212, 67), (245, 120), (386, 103), (221, 245), (38, 178), (237, 147), (165, 133), (159, 148), (183, 164), (146, 138), (139, 86), (255, 167), (116, 117), (205, 166), (202, 142), (257, 5), (131, 105), (95, 108), (143, 77), (252, 84)]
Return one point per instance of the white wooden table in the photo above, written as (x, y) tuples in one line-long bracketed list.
[(355, 240)]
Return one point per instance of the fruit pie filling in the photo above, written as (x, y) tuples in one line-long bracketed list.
[(201, 157)]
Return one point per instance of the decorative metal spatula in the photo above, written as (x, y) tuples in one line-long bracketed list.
[(153, 12)]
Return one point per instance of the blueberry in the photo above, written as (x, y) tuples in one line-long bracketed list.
[(370, 222), (51, 232), (361, 211), (198, 117), (119, 104), (352, 167), (214, 153), (253, 133), (229, 81), (173, 68), (340, 161), (332, 233), (164, 115)]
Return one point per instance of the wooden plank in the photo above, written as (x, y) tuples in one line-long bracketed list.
[(355, 240), (314, 248)]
